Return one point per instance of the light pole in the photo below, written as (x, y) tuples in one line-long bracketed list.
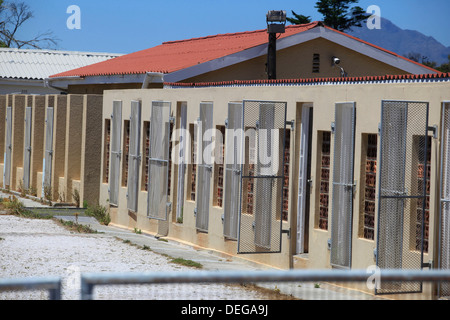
[(276, 23)]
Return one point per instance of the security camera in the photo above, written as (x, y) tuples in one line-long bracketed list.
[(336, 60)]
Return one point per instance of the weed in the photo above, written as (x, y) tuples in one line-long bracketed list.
[(187, 263), (48, 193), (146, 248), (316, 285), (76, 227), (137, 231), (76, 197), (100, 213)]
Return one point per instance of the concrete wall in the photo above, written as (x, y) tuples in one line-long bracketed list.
[(368, 98), (76, 145)]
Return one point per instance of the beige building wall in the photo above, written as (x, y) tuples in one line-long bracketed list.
[(368, 99), (76, 144), (297, 62)]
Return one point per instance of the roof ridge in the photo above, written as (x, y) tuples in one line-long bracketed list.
[(52, 51), (240, 33)]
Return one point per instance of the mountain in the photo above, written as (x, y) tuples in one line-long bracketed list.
[(403, 42)]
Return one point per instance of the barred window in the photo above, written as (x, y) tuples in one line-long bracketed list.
[(219, 167), (423, 213), (146, 153), (287, 157), (106, 155), (192, 166), (324, 173), (370, 146), (126, 151)]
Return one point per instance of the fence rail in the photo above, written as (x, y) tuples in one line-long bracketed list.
[(53, 285), (91, 280)]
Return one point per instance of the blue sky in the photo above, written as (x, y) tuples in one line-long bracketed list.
[(120, 26)]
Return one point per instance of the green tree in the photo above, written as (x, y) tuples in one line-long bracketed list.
[(445, 67), (298, 18), (337, 14), (13, 14)]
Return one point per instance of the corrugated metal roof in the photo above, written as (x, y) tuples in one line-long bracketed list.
[(40, 64)]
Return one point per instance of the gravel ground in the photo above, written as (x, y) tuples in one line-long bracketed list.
[(42, 248)]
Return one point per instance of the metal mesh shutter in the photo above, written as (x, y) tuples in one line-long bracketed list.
[(134, 155), (159, 160), (444, 244), (304, 173), (402, 126), (27, 148), (8, 149), (182, 161), (204, 170), (116, 137), (260, 223), (343, 184), (233, 154), (48, 155)]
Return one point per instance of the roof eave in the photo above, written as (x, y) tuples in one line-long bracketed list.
[(144, 78)]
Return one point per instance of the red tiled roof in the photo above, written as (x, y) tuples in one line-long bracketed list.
[(176, 55), (314, 80)]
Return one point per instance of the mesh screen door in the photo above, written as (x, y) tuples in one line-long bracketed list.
[(343, 184), (158, 163), (8, 149), (262, 177), (134, 156), (233, 161), (444, 242), (48, 155), (27, 148), (402, 188), (204, 171), (116, 133)]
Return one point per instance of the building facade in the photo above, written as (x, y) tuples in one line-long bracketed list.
[(353, 178)]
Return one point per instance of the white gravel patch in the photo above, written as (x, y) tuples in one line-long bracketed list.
[(42, 248)]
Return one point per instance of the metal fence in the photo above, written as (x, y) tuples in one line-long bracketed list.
[(335, 284)]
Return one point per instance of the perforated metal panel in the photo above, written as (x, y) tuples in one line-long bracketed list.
[(8, 149), (134, 156), (444, 225), (159, 160), (233, 161), (304, 175), (48, 153), (402, 187), (27, 148), (204, 167), (343, 185), (116, 153), (182, 161), (262, 177)]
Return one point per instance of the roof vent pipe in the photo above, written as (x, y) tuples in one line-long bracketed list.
[(276, 23)]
